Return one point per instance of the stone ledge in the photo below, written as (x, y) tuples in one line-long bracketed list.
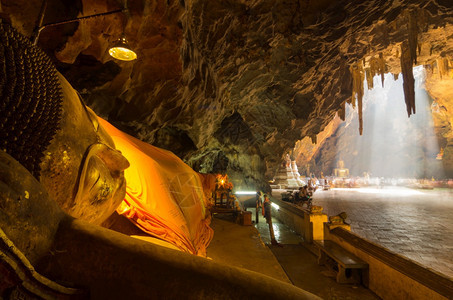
[(294, 209), (430, 279), (308, 225)]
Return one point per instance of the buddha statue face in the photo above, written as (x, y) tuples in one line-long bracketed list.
[(81, 169)]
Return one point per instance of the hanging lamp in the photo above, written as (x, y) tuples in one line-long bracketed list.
[(121, 50)]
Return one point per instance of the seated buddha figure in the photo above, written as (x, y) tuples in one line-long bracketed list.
[(60, 177)]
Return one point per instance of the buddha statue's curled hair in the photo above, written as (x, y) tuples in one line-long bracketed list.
[(30, 99)]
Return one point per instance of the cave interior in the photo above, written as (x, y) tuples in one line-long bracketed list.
[(234, 87), (231, 87)]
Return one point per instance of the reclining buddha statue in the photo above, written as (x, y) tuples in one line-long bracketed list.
[(61, 177)]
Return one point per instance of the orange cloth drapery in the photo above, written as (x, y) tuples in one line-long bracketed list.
[(164, 196), (208, 182)]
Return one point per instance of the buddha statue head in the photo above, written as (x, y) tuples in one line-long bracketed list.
[(47, 128), (340, 164)]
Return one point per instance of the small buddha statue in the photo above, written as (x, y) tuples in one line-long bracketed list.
[(341, 171)]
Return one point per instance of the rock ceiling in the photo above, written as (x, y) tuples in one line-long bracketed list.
[(232, 85)]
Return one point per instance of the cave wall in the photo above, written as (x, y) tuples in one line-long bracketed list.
[(230, 86), (439, 83)]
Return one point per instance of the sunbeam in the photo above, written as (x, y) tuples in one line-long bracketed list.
[(392, 145)]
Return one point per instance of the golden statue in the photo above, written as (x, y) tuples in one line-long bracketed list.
[(341, 171)]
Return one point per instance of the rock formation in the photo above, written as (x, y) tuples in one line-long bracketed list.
[(230, 86)]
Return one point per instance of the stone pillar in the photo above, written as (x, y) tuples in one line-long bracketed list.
[(314, 226)]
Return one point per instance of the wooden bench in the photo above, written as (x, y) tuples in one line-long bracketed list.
[(349, 267)]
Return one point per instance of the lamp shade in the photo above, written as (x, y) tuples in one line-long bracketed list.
[(121, 50)]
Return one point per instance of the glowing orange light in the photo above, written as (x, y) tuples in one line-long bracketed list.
[(223, 183)]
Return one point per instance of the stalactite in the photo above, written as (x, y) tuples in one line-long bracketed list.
[(376, 66), (395, 76), (408, 77), (369, 78), (314, 139), (449, 65), (439, 68), (442, 67), (432, 67), (342, 111), (357, 89), (381, 67), (357, 81), (408, 59), (359, 104), (413, 35)]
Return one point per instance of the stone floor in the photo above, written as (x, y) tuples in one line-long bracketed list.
[(241, 246), (414, 223)]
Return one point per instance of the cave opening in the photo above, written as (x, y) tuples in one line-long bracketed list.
[(392, 145)]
